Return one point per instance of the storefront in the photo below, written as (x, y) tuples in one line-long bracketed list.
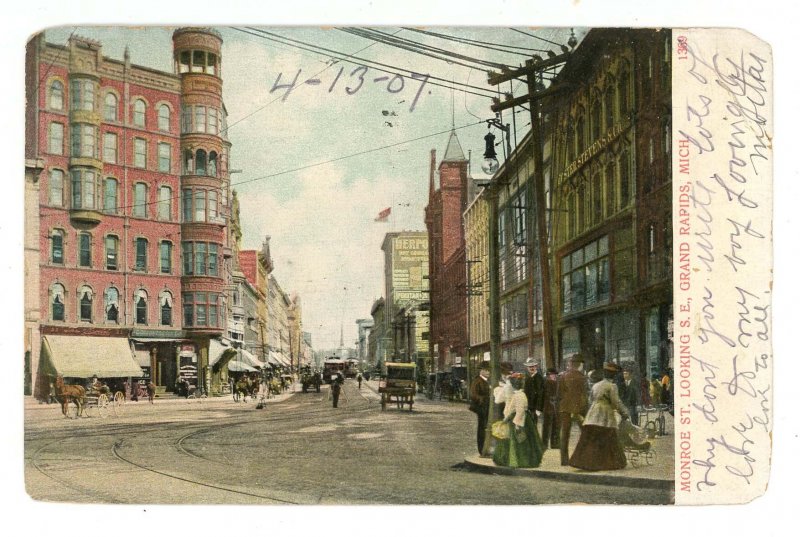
[(80, 358)]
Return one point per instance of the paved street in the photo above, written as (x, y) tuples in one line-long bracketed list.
[(298, 450)]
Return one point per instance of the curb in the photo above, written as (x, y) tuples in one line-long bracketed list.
[(487, 466)]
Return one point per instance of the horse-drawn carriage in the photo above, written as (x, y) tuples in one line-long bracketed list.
[(310, 379), (98, 398), (398, 384)]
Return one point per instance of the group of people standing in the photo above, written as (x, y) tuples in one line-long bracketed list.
[(559, 400)]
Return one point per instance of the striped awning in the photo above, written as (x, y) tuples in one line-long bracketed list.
[(87, 356)]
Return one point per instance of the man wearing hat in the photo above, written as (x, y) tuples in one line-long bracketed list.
[(479, 392), (572, 401), (550, 411), (534, 389)]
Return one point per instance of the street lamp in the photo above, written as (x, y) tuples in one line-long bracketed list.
[(489, 164)]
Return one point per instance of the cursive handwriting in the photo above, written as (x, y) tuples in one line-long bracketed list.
[(709, 464), (708, 408), (707, 328), (702, 198), (735, 245)]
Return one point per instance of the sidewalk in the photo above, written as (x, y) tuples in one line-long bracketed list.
[(659, 474)]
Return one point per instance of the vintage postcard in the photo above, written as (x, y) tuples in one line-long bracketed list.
[(397, 265)]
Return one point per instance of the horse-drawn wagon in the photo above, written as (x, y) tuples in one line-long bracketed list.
[(310, 379), (398, 384), (98, 398)]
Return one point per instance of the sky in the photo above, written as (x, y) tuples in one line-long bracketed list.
[(325, 242)]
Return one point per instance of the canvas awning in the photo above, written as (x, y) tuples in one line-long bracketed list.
[(274, 359), (240, 367), (284, 360), (86, 356), (142, 357), (246, 357), (219, 353)]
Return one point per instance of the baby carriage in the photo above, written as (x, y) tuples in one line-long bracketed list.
[(638, 450)]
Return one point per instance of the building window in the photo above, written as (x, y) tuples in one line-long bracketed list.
[(110, 196), (84, 250), (83, 189), (572, 214), (110, 148), (164, 203), (212, 121), (139, 108), (201, 309), (597, 199), (56, 188), (85, 295), (141, 254), (585, 277), (199, 119), (112, 252), (110, 108), (56, 95), (140, 153), (166, 308), (164, 157), (199, 205), (624, 93), (84, 141), (57, 302), (57, 247), (163, 118), (611, 191), (186, 203), (581, 223), (200, 162), (212, 260), (82, 92), (624, 179), (597, 118), (198, 61), (212, 164), (212, 206), (141, 307), (188, 260), (580, 134), (609, 107), (200, 258), (166, 257), (112, 304), (140, 200), (55, 139)]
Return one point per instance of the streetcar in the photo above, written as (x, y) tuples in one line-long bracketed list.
[(332, 367)]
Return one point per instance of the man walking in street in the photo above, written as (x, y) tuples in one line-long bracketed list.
[(629, 394), (336, 389), (479, 392), (534, 389), (550, 432), (573, 402)]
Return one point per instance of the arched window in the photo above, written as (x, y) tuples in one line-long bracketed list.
[(141, 306), (212, 164), (163, 117), (623, 92), (200, 162), (611, 190), (57, 302), (110, 108), (139, 108), (112, 304), (85, 295), (580, 134), (597, 118), (165, 301), (609, 107), (57, 95)]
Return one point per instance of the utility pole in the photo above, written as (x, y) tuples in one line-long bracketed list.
[(532, 71)]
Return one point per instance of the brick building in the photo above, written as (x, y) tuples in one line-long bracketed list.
[(447, 202), (132, 203)]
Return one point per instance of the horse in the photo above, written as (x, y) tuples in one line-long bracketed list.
[(242, 388), (70, 392)]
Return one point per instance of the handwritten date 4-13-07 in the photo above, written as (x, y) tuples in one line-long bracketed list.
[(352, 82)]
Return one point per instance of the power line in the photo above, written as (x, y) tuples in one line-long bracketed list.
[(537, 37), (417, 47), (478, 43), (385, 68)]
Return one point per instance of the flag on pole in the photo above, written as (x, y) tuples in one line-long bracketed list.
[(383, 216)]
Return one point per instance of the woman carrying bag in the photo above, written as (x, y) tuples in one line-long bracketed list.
[(518, 444)]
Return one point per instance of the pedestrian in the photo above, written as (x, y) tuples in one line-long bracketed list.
[(336, 389), (550, 410), (599, 447), (572, 402), (479, 403), (359, 378), (655, 390), (506, 370), (134, 390), (522, 447), (534, 389), (629, 394)]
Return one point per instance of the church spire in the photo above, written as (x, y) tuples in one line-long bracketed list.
[(454, 153)]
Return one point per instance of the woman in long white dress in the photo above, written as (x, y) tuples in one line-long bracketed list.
[(599, 447)]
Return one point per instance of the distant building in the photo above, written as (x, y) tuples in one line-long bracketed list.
[(476, 235)]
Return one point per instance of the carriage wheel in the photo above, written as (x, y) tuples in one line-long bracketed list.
[(118, 404), (102, 405)]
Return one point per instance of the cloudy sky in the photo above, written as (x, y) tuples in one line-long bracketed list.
[(325, 242)]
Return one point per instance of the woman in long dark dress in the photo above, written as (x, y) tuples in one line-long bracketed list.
[(523, 448), (599, 447)]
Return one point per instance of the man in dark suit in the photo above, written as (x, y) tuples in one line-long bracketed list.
[(550, 412), (573, 401), (534, 389), (336, 388), (629, 394), (479, 392)]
